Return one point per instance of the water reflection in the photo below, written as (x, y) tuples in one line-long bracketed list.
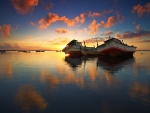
[(6, 69), (28, 98), (73, 82), (114, 64), (141, 92), (73, 61)]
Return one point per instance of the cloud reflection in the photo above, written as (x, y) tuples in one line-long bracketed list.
[(8, 69), (140, 91), (27, 97)]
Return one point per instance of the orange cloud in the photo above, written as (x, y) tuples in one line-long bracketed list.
[(140, 10), (51, 17), (45, 22), (24, 6), (5, 29), (113, 20), (61, 30), (67, 21), (82, 18), (94, 26), (59, 41)]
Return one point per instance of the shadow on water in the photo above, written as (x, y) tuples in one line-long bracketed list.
[(114, 64)]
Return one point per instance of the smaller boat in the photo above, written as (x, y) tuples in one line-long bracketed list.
[(73, 48)]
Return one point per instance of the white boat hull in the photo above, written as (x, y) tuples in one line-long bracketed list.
[(116, 49)]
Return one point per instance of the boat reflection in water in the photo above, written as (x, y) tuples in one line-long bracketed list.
[(73, 61), (113, 64)]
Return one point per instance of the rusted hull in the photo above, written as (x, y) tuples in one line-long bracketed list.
[(113, 51)]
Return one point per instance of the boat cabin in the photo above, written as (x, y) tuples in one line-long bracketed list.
[(74, 42)]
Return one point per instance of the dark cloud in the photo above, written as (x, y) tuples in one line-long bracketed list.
[(48, 5), (137, 34), (142, 41)]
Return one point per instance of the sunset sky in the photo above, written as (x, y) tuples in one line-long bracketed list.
[(50, 24)]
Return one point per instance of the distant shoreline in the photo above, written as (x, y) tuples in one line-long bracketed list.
[(51, 50), (30, 50)]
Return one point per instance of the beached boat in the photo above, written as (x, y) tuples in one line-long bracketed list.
[(115, 47), (73, 48)]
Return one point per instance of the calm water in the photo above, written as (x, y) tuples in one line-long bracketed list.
[(49, 82)]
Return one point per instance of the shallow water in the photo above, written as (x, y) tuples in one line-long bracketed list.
[(50, 82)]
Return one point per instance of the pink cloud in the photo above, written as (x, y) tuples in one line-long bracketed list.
[(24, 6), (5, 29), (140, 10), (61, 30), (138, 27), (32, 23), (98, 14)]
